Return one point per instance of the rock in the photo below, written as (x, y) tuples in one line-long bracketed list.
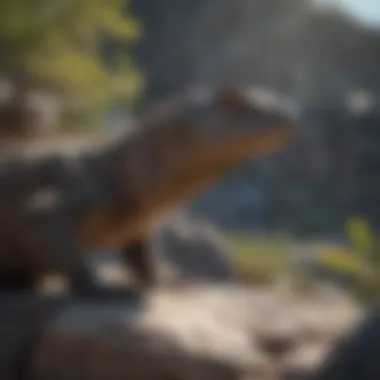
[(178, 335), (193, 249), (300, 364), (193, 332)]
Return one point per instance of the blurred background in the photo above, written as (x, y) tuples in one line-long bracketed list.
[(88, 67)]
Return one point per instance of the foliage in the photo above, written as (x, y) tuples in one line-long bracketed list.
[(367, 247), (60, 44), (340, 259), (353, 260), (361, 236)]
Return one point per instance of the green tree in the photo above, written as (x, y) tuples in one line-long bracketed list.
[(60, 45)]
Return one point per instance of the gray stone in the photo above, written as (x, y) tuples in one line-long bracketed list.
[(194, 248)]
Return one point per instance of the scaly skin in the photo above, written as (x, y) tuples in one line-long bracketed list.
[(110, 197)]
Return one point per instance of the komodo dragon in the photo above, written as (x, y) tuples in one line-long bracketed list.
[(49, 218)]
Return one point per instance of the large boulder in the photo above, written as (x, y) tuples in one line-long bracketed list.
[(188, 333)]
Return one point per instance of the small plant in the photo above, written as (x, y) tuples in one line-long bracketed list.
[(341, 260), (361, 237), (352, 260), (363, 242)]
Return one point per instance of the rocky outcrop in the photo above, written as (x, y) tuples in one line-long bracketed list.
[(193, 333), (279, 44)]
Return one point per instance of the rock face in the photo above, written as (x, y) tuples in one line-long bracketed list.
[(166, 24), (280, 44), (193, 249)]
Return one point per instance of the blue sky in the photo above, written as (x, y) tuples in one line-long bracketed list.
[(367, 11)]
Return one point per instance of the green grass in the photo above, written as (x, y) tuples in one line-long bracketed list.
[(258, 259), (264, 259)]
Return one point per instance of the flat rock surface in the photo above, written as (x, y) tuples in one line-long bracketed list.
[(195, 332)]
